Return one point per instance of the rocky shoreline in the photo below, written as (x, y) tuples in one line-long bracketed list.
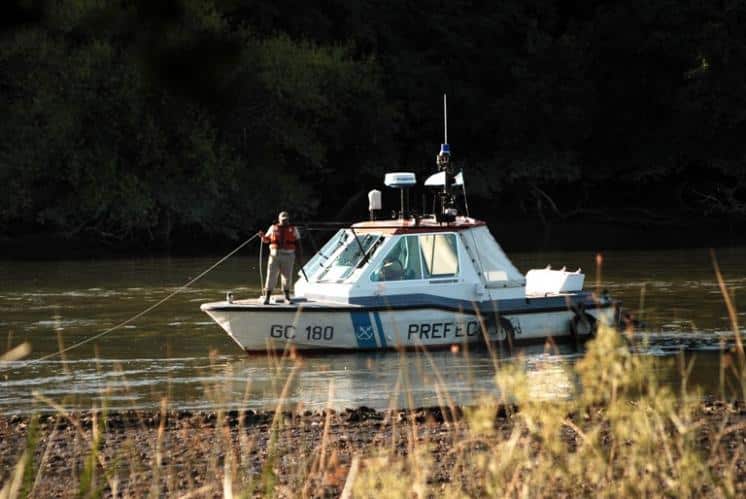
[(175, 453)]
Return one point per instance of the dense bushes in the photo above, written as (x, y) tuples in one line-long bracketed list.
[(130, 122)]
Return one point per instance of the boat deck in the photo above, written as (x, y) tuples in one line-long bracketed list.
[(277, 302), (512, 306)]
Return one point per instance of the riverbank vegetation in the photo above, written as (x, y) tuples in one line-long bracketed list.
[(140, 124)]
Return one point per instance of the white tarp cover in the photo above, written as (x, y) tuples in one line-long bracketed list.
[(496, 269), (543, 281)]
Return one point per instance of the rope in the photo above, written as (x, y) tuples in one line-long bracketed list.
[(261, 265), (149, 309)]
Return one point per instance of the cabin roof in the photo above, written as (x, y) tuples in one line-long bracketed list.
[(413, 226)]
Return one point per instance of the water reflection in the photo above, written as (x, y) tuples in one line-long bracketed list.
[(379, 381), (375, 380)]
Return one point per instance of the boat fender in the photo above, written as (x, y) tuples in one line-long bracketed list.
[(504, 325), (582, 324), (499, 330), (505, 335)]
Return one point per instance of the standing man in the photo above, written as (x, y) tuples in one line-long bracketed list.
[(283, 243)]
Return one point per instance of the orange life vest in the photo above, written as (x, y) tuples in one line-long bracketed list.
[(282, 237)]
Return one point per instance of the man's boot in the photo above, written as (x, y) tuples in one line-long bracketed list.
[(287, 296), (267, 294)]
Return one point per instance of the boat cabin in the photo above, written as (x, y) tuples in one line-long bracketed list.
[(459, 260), (446, 255)]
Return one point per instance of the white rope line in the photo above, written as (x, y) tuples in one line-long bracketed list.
[(149, 309), (261, 265)]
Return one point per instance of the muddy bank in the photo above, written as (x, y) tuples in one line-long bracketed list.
[(179, 452)]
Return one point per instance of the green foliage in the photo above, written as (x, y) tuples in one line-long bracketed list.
[(32, 441), (135, 121), (102, 138)]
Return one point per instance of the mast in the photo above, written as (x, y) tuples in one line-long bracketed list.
[(445, 119), (443, 161)]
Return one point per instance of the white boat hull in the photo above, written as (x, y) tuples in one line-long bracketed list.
[(316, 326)]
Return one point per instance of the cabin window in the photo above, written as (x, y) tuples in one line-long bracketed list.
[(401, 263), (439, 255), (351, 257)]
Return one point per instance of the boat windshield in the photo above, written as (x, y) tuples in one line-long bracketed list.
[(317, 261), (348, 259)]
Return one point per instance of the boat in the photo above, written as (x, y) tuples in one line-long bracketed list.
[(437, 280)]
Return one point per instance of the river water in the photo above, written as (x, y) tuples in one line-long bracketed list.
[(177, 354)]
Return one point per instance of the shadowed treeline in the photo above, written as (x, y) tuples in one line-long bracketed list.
[(144, 123)]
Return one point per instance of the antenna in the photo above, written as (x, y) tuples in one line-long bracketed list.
[(443, 160), (445, 118)]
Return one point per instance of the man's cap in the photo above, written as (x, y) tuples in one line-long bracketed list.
[(283, 216)]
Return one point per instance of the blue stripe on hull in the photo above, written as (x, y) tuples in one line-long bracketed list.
[(363, 329), (379, 326)]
